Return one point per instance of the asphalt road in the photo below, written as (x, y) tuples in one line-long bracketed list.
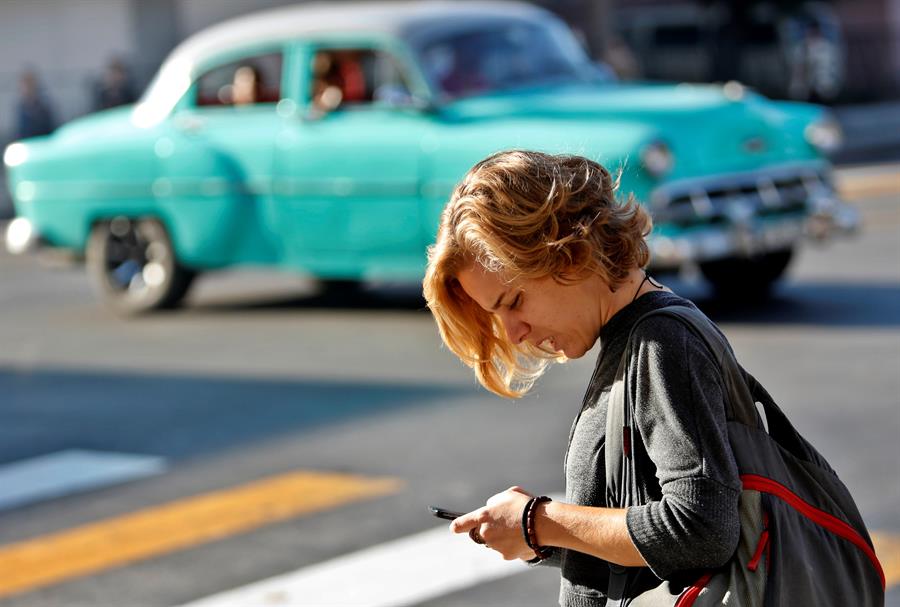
[(258, 378)]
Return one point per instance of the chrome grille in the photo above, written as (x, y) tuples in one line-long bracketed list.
[(738, 197)]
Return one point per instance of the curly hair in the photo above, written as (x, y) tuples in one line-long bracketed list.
[(526, 215)]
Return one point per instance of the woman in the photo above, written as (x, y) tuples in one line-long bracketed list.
[(535, 261)]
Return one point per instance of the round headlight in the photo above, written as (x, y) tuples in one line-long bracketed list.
[(15, 154), (19, 236), (657, 158), (824, 134)]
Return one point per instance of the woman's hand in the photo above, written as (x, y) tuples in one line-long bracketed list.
[(499, 524)]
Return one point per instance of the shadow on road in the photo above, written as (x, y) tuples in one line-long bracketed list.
[(181, 416), (806, 303), (821, 304)]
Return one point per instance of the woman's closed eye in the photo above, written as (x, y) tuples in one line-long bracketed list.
[(516, 302)]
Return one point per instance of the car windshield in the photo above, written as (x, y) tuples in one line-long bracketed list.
[(501, 56)]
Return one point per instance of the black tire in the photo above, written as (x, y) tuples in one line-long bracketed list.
[(133, 266), (340, 288), (747, 278)]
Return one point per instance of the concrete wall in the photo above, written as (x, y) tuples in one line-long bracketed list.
[(194, 15), (66, 44)]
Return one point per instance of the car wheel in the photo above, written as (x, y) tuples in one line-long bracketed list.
[(133, 266), (750, 278)]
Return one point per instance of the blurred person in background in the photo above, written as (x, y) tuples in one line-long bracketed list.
[(114, 88), (34, 115), (326, 87), (536, 260), (816, 65), (351, 77), (246, 87), (338, 78)]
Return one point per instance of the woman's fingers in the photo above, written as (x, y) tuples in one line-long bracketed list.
[(467, 521)]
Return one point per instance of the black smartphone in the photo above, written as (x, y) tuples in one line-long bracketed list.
[(444, 514)]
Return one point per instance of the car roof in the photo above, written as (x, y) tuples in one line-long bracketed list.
[(399, 18), (394, 18)]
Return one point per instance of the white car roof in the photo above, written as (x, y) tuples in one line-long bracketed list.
[(399, 18), (394, 18)]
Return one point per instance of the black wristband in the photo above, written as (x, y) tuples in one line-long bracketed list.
[(528, 530)]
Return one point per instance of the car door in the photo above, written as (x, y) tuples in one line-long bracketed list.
[(349, 165), (217, 160)]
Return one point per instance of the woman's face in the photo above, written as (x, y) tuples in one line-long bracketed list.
[(559, 318)]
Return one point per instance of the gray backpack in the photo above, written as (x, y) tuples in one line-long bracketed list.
[(803, 541)]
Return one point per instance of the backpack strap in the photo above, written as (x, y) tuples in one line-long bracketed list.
[(621, 470), (622, 488)]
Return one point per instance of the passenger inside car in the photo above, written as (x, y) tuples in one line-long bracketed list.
[(252, 80), (246, 86), (338, 78)]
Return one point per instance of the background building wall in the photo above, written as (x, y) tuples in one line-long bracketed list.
[(872, 32), (66, 43), (194, 15)]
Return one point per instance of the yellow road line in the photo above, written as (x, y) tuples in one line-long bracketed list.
[(856, 187), (177, 525), (887, 547)]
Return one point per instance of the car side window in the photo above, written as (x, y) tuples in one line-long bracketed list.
[(343, 78), (250, 81)]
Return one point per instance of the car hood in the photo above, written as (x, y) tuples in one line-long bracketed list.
[(706, 129), (106, 124), (612, 99)]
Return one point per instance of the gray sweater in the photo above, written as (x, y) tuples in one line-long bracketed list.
[(684, 459)]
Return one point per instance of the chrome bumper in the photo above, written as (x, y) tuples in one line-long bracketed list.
[(747, 214)]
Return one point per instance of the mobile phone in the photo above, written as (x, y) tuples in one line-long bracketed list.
[(444, 514)]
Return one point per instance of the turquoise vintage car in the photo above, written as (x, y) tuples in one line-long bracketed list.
[(326, 140)]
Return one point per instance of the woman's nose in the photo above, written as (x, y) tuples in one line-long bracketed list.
[(516, 330)]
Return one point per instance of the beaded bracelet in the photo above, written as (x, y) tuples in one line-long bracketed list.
[(528, 530)]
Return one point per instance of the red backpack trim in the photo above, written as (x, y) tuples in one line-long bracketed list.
[(831, 523)]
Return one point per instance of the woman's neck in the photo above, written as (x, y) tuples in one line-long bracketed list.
[(634, 285)]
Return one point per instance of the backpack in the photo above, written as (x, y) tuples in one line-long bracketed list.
[(802, 541)]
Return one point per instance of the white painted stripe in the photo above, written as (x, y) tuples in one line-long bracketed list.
[(401, 572), (70, 471)]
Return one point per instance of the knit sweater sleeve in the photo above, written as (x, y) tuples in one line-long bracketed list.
[(678, 398)]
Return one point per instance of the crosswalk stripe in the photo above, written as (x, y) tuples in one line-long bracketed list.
[(71, 471), (860, 186), (406, 571), (177, 525), (887, 547), (411, 570)]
